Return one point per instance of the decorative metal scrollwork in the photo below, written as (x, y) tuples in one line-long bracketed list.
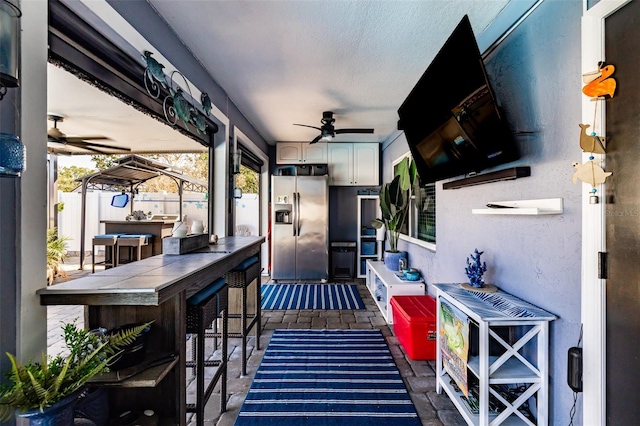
[(176, 106)]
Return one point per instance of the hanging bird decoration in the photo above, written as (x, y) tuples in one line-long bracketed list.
[(206, 103), (154, 68), (603, 84), (591, 142), (182, 106), (590, 172)]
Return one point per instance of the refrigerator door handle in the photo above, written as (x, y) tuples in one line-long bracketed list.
[(298, 214), (295, 213)]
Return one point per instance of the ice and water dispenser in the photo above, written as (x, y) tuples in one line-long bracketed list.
[(283, 213)]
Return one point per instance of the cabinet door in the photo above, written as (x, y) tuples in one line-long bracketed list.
[(289, 153), (340, 156), (314, 154), (366, 164)]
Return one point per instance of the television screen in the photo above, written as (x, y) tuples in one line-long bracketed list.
[(451, 120)]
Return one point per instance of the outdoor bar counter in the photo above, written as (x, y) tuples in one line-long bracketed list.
[(155, 289)]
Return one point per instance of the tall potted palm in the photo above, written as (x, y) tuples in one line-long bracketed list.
[(395, 201)]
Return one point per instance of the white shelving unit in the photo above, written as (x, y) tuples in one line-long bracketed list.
[(383, 284), (524, 207), (367, 246), (529, 331)]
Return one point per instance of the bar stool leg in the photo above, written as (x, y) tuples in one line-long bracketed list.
[(258, 311), (223, 385), (200, 374), (243, 327)]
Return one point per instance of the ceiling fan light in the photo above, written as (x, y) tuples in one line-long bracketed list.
[(326, 138)]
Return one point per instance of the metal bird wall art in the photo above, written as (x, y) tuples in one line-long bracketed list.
[(176, 105), (181, 106), (198, 121), (206, 103)]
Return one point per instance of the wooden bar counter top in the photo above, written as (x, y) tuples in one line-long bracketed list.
[(152, 289)]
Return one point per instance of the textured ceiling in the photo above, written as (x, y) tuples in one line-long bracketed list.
[(285, 62)]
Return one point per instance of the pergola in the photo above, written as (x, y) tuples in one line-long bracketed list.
[(127, 176)]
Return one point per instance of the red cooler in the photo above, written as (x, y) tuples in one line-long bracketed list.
[(414, 323)]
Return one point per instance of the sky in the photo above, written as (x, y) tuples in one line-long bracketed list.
[(76, 160)]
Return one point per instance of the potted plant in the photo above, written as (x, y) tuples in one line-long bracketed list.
[(56, 253), (395, 201), (46, 391)]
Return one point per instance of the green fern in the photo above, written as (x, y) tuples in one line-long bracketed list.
[(40, 385)]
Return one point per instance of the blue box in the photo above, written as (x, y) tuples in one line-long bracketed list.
[(368, 248), (368, 231)]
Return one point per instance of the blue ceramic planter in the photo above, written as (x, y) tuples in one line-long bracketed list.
[(392, 260), (59, 414)]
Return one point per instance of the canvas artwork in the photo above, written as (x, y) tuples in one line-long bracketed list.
[(454, 344)]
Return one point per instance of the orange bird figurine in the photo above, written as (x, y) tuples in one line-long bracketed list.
[(602, 85)]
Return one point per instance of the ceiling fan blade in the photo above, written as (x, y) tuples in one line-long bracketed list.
[(85, 138), (83, 144), (87, 148), (305, 125), (339, 131), (316, 139)]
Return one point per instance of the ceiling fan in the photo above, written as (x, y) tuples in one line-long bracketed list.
[(328, 131), (56, 136)]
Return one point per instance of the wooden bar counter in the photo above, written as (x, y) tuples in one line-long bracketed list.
[(155, 289)]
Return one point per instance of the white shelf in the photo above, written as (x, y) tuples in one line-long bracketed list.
[(512, 371), (368, 208), (524, 207), (471, 418), (510, 368), (392, 286)]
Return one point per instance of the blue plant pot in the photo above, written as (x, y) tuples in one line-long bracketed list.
[(392, 260), (59, 414)]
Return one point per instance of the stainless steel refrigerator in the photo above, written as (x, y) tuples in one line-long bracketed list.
[(300, 228)]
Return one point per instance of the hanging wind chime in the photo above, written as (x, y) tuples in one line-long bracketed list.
[(599, 85)]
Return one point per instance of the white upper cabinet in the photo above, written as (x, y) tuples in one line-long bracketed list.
[(301, 153), (354, 164), (366, 164), (340, 163)]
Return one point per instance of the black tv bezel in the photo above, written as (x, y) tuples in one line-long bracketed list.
[(495, 145)]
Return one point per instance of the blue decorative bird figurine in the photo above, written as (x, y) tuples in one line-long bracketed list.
[(206, 103), (155, 68), (182, 106), (199, 121)]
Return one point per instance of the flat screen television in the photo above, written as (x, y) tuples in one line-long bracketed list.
[(451, 119)]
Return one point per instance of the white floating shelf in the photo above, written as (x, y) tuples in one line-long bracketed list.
[(524, 207)]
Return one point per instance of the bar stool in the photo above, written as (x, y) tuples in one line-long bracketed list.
[(109, 241), (132, 241), (203, 308), (240, 277)]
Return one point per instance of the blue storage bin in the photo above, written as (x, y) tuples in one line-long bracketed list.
[(368, 231), (368, 248)]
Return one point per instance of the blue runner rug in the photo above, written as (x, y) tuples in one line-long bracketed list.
[(311, 296), (320, 377)]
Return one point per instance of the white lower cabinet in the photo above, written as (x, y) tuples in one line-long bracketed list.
[(508, 363), (383, 284)]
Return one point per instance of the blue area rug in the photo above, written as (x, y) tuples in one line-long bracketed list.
[(320, 377), (311, 296)]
